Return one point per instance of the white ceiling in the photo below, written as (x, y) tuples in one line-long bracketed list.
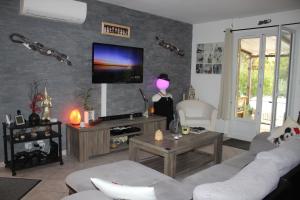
[(199, 11)]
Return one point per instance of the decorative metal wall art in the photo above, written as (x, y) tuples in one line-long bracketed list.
[(169, 46), (36, 46)]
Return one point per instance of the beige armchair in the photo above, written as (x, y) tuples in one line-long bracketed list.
[(195, 113)]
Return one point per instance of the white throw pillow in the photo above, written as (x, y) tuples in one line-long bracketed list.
[(253, 182), (282, 133), (116, 191)]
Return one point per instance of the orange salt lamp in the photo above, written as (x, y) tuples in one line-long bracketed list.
[(75, 117)]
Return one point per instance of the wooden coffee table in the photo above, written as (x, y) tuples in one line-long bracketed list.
[(170, 149)]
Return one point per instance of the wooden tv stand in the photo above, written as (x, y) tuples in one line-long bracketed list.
[(84, 143)]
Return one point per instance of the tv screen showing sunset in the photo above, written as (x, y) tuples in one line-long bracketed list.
[(112, 63)]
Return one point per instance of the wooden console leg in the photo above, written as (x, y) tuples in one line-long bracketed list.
[(218, 149), (133, 152)]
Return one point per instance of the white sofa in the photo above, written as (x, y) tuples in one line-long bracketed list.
[(250, 175), (196, 113)]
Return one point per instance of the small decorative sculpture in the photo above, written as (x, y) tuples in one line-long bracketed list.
[(169, 46), (158, 135), (36, 46), (191, 94), (46, 105)]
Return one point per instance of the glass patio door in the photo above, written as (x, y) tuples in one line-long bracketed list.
[(282, 74), (262, 79)]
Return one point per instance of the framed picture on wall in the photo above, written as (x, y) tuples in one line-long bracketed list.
[(209, 58), (115, 30)]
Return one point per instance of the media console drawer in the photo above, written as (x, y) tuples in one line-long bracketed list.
[(84, 143)]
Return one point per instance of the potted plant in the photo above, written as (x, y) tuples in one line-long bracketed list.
[(89, 113)]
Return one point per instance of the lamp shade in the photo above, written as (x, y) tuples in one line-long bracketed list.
[(75, 117)]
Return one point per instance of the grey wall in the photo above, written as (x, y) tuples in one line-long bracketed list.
[(20, 66)]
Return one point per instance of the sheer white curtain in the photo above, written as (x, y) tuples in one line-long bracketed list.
[(224, 110)]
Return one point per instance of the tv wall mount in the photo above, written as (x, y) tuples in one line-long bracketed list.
[(36, 46)]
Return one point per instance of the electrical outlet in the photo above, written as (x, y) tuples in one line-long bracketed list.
[(28, 145)]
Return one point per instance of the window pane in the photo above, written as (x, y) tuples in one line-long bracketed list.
[(247, 80), (268, 84), (283, 77)]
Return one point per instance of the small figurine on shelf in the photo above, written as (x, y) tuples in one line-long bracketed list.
[(48, 131), (46, 105), (17, 137), (22, 137), (33, 132)]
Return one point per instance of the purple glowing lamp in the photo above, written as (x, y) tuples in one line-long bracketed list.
[(162, 82)]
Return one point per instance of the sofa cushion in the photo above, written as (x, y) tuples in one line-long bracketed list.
[(124, 172), (261, 143), (164, 190), (119, 191), (241, 160), (220, 172), (283, 133), (172, 190), (286, 157), (88, 195), (253, 182)]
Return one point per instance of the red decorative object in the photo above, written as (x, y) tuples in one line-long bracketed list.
[(35, 96), (297, 131), (34, 103), (75, 117)]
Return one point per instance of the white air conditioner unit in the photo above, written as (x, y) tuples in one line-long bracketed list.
[(60, 10)]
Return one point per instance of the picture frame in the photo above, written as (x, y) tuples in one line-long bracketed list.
[(115, 30), (209, 58), (19, 120)]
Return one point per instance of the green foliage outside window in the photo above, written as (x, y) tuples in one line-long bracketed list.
[(268, 75)]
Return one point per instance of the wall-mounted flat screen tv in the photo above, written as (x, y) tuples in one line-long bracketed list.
[(117, 64)]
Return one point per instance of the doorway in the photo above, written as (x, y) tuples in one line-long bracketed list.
[(262, 71)]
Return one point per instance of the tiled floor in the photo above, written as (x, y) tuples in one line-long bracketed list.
[(52, 186)]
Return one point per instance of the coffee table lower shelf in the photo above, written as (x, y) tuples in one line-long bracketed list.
[(185, 162)]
